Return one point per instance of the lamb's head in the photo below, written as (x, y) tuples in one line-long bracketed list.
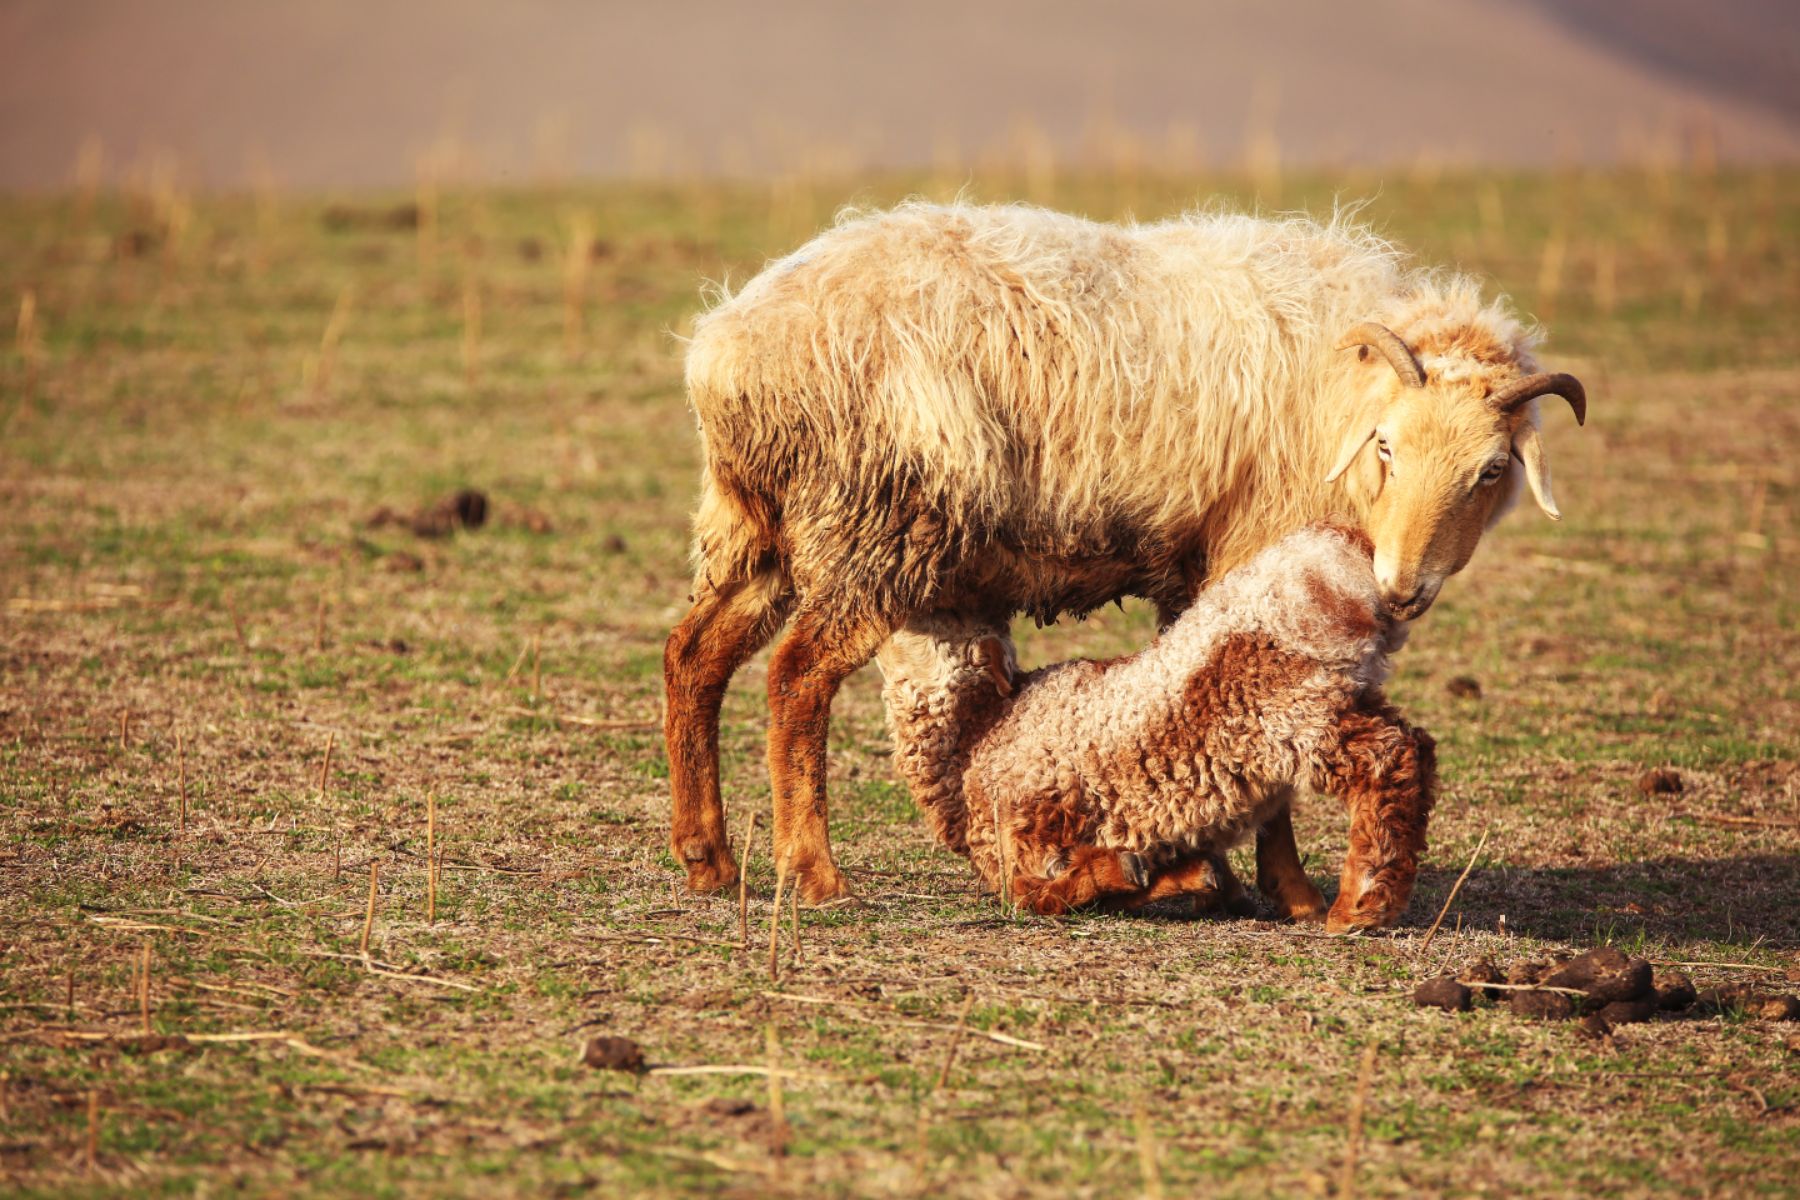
[(1453, 437), (937, 656)]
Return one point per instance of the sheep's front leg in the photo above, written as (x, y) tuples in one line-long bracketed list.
[(1386, 773), (822, 649), (1279, 873)]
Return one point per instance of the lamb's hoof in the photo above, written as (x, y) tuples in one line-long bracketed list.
[(1057, 864), (1233, 897), (708, 870), (1134, 869)]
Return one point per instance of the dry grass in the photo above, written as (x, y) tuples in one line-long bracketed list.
[(182, 489)]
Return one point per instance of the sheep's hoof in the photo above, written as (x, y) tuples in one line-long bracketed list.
[(709, 871), (1135, 869), (823, 884)]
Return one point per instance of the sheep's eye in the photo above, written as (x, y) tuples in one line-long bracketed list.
[(1494, 471)]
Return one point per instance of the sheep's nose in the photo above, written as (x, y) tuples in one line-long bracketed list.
[(1404, 605)]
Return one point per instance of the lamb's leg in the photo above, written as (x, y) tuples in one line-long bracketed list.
[(1088, 874), (1385, 771), (1195, 877), (1217, 883), (1205, 879), (1279, 874), (1233, 896), (821, 650), (726, 625)]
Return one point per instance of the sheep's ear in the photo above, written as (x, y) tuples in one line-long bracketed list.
[(992, 656), (1528, 448), (1352, 448)]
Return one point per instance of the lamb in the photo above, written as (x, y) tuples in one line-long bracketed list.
[(1004, 410), (1119, 782)]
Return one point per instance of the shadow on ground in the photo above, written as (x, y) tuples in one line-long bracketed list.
[(1736, 900)]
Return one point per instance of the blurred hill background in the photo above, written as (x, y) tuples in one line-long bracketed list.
[(339, 93)]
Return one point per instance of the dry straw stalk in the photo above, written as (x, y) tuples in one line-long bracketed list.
[(431, 869), (369, 915), (744, 882)]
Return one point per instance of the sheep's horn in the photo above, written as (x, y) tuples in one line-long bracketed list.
[(1544, 384), (1381, 338)]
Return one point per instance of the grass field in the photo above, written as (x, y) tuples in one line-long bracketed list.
[(208, 399)]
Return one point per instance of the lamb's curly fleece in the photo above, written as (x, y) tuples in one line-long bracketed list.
[(1270, 680)]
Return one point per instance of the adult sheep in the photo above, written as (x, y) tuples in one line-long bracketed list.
[(1003, 410)]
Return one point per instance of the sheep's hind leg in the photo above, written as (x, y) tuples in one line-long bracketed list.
[(1279, 873), (726, 625), (822, 649)]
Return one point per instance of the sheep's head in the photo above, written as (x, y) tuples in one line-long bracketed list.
[(1450, 447), (937, 655)]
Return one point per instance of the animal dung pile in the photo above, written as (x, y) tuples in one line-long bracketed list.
[(342, 218), (1464, 687), (611, 1053), (1603, 987), (465, 509)]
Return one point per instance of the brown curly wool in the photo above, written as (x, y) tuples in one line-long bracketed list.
[(1115, 782)]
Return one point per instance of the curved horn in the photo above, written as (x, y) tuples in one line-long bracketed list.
[(1381, 338), (1544, 384)]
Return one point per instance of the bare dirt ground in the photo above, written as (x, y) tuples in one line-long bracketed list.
[(207, 403)]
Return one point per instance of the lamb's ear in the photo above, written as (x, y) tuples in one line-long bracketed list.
[(1528, 448), (1352, 448), (992, 656)]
